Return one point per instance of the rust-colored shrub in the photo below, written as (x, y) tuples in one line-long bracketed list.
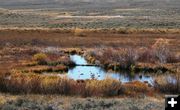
[(134, 88)]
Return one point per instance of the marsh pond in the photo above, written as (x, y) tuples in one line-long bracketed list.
[(83, 71)]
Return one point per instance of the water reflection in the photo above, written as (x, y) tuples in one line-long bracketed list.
[(89, 72), (78, 60)]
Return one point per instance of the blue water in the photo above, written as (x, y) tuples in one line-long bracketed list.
[(78, 60), (89, 72)]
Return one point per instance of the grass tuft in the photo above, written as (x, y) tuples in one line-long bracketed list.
[(40, 58)]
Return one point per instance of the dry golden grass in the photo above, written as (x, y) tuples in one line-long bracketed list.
[(108, 87), (40, 58), (32, 83), (135, 88)]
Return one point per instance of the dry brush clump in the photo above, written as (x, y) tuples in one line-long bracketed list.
[(162, 51), (24, 83), (107, 87), (168, 84), (39, 84), (40, 58), (52, 59), (135, 88), (128, 58), (158, 53), (124, 57), (147, 55)]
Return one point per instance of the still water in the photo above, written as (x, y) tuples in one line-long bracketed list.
[(89, 72)]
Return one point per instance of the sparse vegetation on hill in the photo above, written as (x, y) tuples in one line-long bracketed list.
[(57, 14)]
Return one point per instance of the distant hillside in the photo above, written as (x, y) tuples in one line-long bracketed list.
[(49, 13), (90, 4), (21, 2)]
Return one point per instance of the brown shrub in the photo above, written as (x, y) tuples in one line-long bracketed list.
[(162, 52), (147, 55), (168, 84), (134, 88), (126, 57), (159, 52)]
